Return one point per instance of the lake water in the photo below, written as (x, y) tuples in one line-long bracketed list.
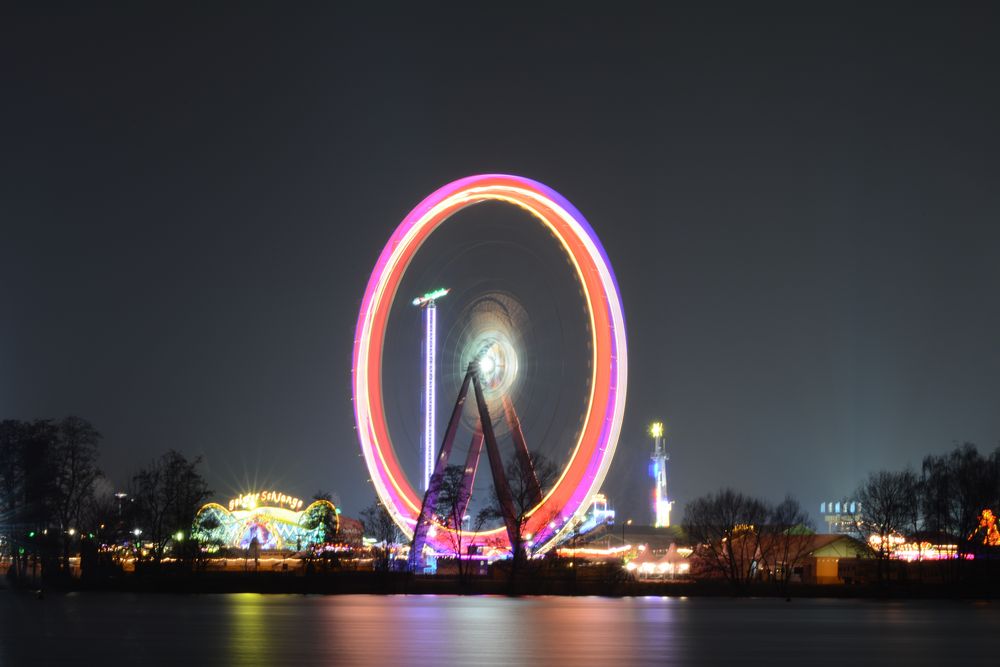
[(393, 631)]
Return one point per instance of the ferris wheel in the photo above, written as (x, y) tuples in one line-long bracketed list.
[(500, 350)]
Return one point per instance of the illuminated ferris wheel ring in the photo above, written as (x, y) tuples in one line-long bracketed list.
[(598, 438)]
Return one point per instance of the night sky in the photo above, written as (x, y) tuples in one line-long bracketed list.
[(801, 205)]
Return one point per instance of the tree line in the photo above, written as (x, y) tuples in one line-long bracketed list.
[(943, 503), (55, 500), (741, 538)]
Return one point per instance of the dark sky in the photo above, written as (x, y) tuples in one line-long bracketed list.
[(801, 205)]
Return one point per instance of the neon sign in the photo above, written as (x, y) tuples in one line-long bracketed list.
[(269, 498)]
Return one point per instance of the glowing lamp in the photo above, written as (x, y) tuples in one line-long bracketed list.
[(656, 429)]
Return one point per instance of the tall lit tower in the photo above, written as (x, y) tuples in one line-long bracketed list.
[(658, 471), (429, 307)]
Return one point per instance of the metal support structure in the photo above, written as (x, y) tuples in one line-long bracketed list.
[(469, 477), (483, 435), (500, 484), (426, 517), (521, 449)]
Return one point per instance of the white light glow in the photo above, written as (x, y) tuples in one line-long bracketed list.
[(487, 364), (430, 341)]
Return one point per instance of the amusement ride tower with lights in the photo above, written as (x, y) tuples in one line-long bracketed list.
[(658, 472), (428, 306)]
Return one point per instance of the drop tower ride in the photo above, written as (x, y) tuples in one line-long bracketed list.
[(428, 306), (658, 471)]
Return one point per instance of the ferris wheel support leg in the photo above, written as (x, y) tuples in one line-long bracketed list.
[(521, 448), (469, 478), (416, 560), (500, 484)]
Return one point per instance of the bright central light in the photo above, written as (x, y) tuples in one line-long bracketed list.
[(497, 362), (487, 364)]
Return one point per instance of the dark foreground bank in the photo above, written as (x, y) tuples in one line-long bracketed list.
[(402, 583)]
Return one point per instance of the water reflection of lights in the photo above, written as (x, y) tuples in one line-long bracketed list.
[(249, 634), (448, 630)]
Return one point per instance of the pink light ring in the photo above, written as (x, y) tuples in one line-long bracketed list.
[(371, 457), (377, 277), (597, 468), (397, 237), (432, 200), (390, 490), (611, 428), (582, 222), (597, 465)]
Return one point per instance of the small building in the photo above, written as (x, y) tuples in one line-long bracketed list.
[(800, 558), (821, 564)]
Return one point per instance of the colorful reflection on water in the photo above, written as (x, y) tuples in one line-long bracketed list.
[(251, 629)]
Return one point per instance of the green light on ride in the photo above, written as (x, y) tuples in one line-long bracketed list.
[(431, 296)]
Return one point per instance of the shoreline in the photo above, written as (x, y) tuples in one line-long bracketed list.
[(392, 583)]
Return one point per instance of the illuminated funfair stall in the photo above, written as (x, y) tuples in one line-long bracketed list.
[(556, 507), (276, 520)]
